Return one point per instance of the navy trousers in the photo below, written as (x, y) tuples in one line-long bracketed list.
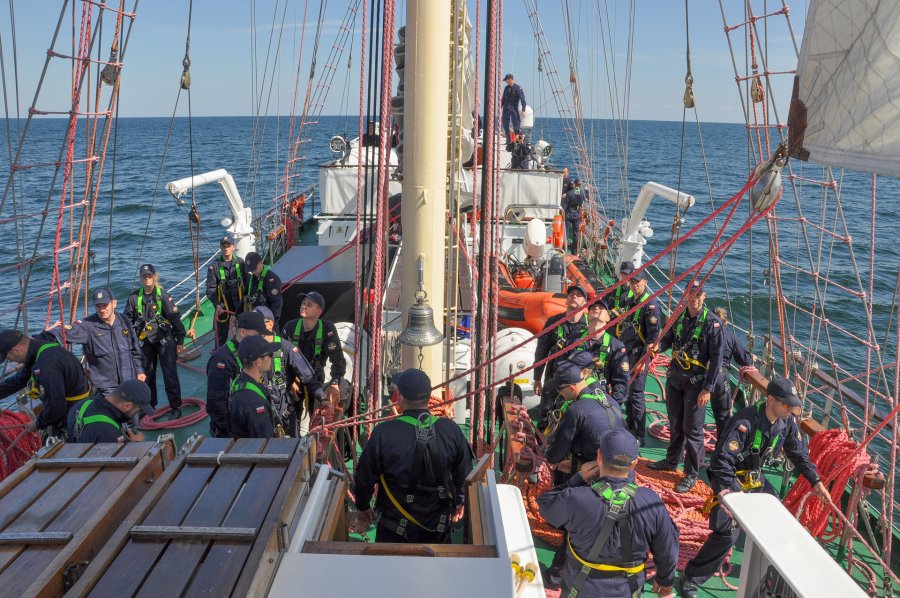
[(510, 113), (722, 401), (167, 355), (685, 425), (636, 404)]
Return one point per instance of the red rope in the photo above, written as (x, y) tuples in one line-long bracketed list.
[(150, 422), (15, 447)]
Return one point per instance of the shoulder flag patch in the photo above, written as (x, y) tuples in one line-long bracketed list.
[(651, 306), (220, 365), (742, 428), (715, 324), (260, 409)]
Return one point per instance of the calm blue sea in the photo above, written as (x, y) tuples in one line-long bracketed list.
[(148, 225)]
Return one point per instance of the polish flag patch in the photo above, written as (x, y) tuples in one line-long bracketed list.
[(220, 366), (260, 409)]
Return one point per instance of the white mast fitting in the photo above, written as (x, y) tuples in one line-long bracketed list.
[(636, 230), (238, 225)]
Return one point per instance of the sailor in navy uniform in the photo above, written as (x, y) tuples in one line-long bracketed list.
[(520, 151), (611, 367), (263, 286), (571, 205), (612, 525), (621, 297), (509, 105), (111, 349), (223, 367), (420, 463), (696, 343), (732, 348), (160, 335), (566, 181), (250, 408), (289, 370), (225, 281), (639, 330), (50, 373), (105, 419), (317, 340), (749, 442), (562, 330)]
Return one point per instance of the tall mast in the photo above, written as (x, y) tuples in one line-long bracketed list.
[(423, 208)]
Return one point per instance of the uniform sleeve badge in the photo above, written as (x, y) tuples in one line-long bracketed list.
[(274, 291), (734, 446), (220, 366), (742, 428), (331, 346), (652, 306), (296, 350), (625, 366), (260, 409), (654, 319), (715, 324)]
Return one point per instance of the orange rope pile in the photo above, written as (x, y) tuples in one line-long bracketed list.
[(659, 429)]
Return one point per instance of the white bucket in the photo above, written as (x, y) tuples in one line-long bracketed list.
[(516, 361), (527, 118)]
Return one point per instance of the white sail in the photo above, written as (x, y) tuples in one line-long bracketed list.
[(846, 106)]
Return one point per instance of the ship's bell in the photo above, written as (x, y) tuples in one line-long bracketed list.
[(420, 330)]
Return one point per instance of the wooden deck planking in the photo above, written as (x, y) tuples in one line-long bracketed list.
[(43, 510), (77, 513), (223, 564), (175, 567), (138, 557), (21, 496)]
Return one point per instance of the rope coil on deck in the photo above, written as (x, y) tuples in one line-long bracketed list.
[(150, 422)]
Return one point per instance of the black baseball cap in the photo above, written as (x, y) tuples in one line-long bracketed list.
[(582, 359), (254, 347), (8, 340), (619, 447), (103, 296), (574, 287), (508, 77), (413, 385), (252, 320), (627, 267), (226, 239), (148, 269), (138, 393), (784, 390), (568, 373), (317, 298), (252, 260)]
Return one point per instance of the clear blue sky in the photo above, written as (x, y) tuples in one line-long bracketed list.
[(221, 39)]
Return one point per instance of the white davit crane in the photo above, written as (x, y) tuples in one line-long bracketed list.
[(239, 225)]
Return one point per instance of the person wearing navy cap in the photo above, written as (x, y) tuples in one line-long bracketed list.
[(611, 367), (263, 286), (160, 335), (585, 416), (223, 367), (696, 343), (572, 203), (49, 373), (105, 419), (562, 330), (639, 330), (317, 340), (612, 524), (509, 106), (250, 412), (752, 438), (111, 348), (225, 287), (419, 462)]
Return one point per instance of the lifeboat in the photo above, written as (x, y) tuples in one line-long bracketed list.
[(525, 304)]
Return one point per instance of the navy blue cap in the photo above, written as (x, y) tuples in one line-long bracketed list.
[(619, 447), (575, 287), (784, 390), (148, 269), (627, 267), (508, 76), (599, 303), (8, 340), (138, 393), (226, 238), (316, 298), (265, 311), (413, 385), (252, 260), (254, 347), (103, 296), (639, 274), (568, 373), (582, 359), (252, 320), (695, 287)]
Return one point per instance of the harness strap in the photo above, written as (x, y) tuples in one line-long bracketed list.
[(406, 514), (561, 336), (81, 421), (232, 348), (319, 340)]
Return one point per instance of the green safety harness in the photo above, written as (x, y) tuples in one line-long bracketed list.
[(222, 280), (81, 421), (635, 320), (679, 352), (617, 515), (32, 389), (319, 339), (561, 336)]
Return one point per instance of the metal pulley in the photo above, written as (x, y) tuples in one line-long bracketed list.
[(767, 188), (186, 73), (757, 92), (689, 90), (110, 73)]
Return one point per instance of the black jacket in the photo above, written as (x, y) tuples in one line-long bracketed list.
[(328, 343), (158, 309)]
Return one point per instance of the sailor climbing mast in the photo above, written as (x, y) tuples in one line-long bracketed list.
[(423, 209)]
